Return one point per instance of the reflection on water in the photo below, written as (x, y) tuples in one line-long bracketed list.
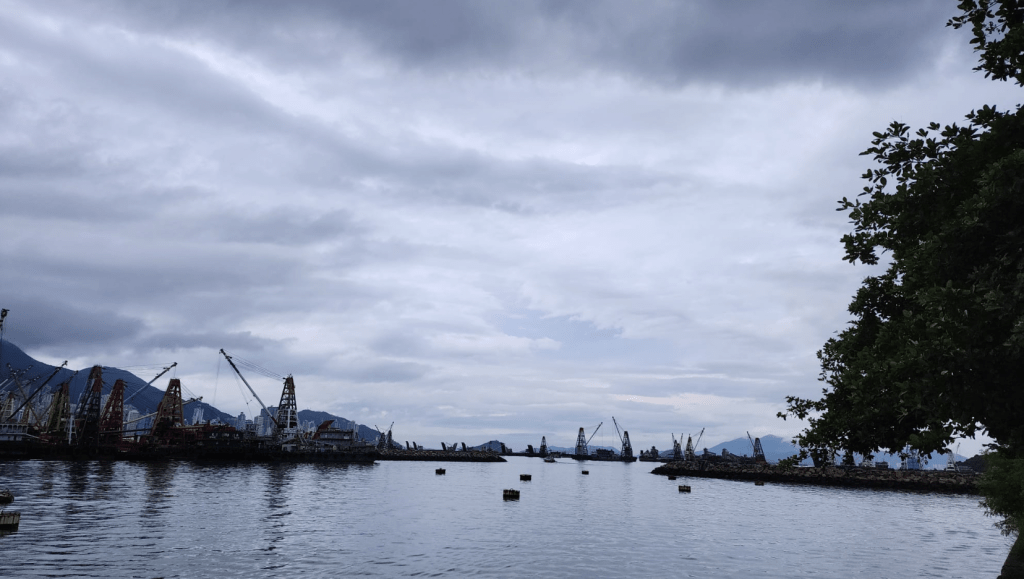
[(394, 519)]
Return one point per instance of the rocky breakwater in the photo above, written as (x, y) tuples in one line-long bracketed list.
[(441, 455), (912, 480)]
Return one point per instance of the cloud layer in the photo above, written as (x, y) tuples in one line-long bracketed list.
[(475, 219)]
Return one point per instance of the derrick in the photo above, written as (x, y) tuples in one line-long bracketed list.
[(87, 416), (581, 443), (288, 410), (58, 419), (170, 413), (112, 419)]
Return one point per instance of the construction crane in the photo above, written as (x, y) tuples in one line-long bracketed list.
[(150, 383), (696, 445), (264, 406), (627, 448), (677, 451), (31, 396), (583, 443), (384, 440), (3, 314), (758, 451)]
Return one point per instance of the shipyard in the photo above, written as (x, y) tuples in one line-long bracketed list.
[(92, 429)]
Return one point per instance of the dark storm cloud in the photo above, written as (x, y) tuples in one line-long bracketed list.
[(57, 326), (662, 42), (287, 227), (213, 340), (385, 372)]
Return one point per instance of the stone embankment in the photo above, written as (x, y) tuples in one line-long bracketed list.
[(442, 455), (912, 480)]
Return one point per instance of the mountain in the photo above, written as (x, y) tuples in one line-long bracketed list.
[(317, 417), (138, 393)]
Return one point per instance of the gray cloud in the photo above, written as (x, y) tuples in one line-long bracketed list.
[(471, 218), (59, 327), (661, 42)]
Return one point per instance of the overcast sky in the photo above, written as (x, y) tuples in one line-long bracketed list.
[(475, 219)]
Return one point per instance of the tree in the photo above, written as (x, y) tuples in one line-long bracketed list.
[(935, 349)]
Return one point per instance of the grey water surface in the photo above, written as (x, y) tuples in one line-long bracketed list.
[(397, 519)]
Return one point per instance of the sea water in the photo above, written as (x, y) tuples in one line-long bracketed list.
[(398, 519)]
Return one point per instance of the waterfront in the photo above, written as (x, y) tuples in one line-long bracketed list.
[(181, 519)]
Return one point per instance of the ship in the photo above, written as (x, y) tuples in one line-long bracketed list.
[(602, 454)]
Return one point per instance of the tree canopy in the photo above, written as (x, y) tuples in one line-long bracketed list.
[(935, 349), (936, 346)]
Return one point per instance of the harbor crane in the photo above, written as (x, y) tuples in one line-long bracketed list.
[(30, 397), (286, 423), (583, 443), (237, 371), (155, 378), (384, 439), (693, 449), (627, 448), (758, 451)]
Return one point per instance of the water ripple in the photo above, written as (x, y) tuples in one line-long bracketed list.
[(96, 519)]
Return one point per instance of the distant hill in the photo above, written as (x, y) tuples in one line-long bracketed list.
[(318, 417), (144, 398)]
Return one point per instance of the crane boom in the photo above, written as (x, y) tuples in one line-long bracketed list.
[(150, 383), (183, 404), (264, 406), (595, 432), (617, 429), (45, 382), (701, 435)]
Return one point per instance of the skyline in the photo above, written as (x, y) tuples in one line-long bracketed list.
[(474, 220)]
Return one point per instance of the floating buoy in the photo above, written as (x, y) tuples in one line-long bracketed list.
[(9, 521), (439, 471), (510, 495), (525, 477), (684, 488), (759, 483), (586, 472), (671, 477)]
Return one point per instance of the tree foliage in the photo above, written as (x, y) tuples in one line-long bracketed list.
[(935, 349)]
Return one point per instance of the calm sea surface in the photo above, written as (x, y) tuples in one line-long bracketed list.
[(397, 519)]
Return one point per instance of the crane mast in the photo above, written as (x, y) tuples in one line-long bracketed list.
[(627, 448)]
